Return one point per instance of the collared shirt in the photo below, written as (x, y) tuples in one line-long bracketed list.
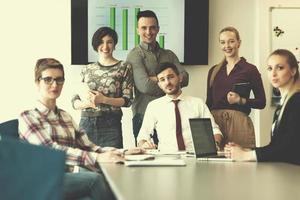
[(42, 126), (112, 81), (223, 83), (144, 60), (160, 115)]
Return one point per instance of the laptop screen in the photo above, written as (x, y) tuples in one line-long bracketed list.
[(203, 138)]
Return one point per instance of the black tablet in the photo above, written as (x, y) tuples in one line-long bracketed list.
[(243, 89)]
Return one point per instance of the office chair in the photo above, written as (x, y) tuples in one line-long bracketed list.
[(30, 172), (9, 129)]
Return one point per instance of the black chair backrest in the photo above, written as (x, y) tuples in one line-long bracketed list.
[(9, 129)]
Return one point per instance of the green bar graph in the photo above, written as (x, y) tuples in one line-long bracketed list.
[(162, 41), (125, 29), (113, 18), (136, 36)]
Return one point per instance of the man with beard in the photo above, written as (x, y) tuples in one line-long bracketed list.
[(145, 58), (169, 115)]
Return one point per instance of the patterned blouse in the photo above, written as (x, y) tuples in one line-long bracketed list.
[(113, 81)]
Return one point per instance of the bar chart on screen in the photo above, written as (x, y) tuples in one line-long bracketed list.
[(121, 16)]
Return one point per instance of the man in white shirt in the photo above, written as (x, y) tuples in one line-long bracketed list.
[(161, 115)]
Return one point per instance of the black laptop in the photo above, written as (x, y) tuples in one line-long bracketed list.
[(204, 141)]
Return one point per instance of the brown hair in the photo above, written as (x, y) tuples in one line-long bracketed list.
[(46, 63), (293, 63), (291, 60), (219, 65)]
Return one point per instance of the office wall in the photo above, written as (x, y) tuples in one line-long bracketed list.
[(29, 30), (41, 28)]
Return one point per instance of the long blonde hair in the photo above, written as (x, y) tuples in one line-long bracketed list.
[(219, 65)]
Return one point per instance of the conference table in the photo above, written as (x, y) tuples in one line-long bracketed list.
[(205, 180)]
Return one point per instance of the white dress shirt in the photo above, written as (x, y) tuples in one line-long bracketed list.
[(160, 115)]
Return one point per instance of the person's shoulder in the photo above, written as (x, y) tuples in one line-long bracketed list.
[(247, 64), (30, 116), (90, 66), (295, 98), (157, 102), (135, 50), (135, 53), (167, 51), (124, 64), (62, 111), (292, 106), (194, 99), (212, 68), (28, 112), (65, 114)]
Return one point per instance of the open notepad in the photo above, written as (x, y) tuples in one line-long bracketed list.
[(156, 162), (139, 157), (152, 160)]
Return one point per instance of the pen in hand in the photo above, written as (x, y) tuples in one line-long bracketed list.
[(153, 145), (149, 144)]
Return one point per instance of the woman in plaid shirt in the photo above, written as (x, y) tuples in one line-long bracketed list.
[(51, 126)]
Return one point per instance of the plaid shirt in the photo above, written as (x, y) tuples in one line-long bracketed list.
[(58, 130)]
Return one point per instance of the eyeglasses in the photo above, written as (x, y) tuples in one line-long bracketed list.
[(49, 80)]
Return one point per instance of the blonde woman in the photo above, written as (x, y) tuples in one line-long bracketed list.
[(229, 109), (283, 73)]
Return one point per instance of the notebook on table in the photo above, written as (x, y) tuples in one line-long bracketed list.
[(151, 160), (156, 162), (204, 141)]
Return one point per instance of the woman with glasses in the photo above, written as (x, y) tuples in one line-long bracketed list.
[(230, 108), (48, 125), (109, 84), (283, 73)]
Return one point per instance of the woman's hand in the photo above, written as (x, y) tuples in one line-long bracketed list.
[(83, 103), (147, 144), (233, 98), (97, 97), (110, 157), (134, 151), (237, 153)]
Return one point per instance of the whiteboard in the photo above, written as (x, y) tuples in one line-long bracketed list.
[(285, 34), (286, 29)]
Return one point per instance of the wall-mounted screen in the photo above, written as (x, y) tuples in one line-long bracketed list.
[(183, 27)]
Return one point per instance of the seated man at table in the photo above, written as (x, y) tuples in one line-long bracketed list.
[(169, 115)]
